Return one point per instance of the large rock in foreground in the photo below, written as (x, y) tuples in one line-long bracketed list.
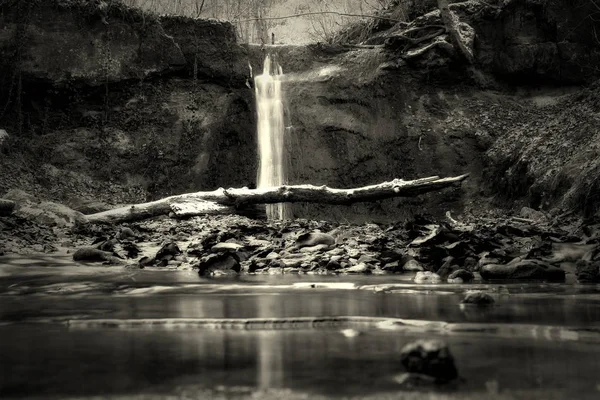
[(86, 41), (431, 358)]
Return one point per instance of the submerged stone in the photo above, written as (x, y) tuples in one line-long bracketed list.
[(431, 358), (478, 298)]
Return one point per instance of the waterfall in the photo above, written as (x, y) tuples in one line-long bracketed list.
[(271, 133)]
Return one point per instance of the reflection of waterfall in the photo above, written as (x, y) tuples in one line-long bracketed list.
[(270, 346), (271, 129)]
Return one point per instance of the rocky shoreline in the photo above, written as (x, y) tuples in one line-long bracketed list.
[(530, 247)]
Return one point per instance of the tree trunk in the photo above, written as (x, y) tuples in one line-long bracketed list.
[(453, 27), (223, 201)]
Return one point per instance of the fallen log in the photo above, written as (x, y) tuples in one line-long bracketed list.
[(222, 201)]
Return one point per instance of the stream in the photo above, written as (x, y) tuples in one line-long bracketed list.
[(72, 331)]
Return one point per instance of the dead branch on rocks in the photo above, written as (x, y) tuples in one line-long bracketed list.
[(223, 201)]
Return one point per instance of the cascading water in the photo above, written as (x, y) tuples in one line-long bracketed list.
[(271, 133)]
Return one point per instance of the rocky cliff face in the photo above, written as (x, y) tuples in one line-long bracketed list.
[(65, 41), (119, 106)]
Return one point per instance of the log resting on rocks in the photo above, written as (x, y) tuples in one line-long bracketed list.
[(223, 201)]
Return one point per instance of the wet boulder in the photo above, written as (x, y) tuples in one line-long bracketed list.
[(523, 269), (91, 254), (360, 268), (447, 268), (427, 277), (412, 265), (460, 276), (431, 358), (166, 253), (219, 263)]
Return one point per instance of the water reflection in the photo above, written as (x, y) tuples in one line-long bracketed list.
[(526, 346), (566, 310), (57, 362), (270, 347)]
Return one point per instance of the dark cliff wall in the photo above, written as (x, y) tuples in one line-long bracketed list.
[(106, 102), (117, 105)]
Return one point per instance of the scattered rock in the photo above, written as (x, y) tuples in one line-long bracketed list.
[(460, 276), (333, 265), (530, 213), (478, 298), (315, 249), (368, 259), (427, 277), (523, 269), (107, 245), (412, 265), (126, 233), (361, 268), (223, 262), (430, 233), (431, 358), (393, 266), (92, 254), (225, 247), (166, 254), (131, 249), (447, 268), (313, 239), (144, 262)]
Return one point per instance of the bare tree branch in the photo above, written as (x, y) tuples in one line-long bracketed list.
[(324, 12)]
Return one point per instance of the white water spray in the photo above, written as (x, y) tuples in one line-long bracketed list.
[(271, 133)]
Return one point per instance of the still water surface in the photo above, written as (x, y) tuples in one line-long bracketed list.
[(538, 341)]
